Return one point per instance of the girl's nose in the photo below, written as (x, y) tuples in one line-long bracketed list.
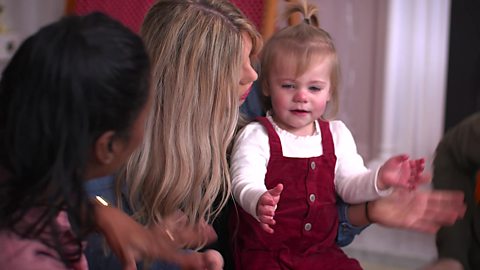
[(300, 96)]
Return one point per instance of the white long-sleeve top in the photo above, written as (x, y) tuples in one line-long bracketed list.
[(354, 183)]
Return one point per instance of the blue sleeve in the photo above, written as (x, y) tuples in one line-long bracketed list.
[(346, 231), (253, 106), (97, 257)]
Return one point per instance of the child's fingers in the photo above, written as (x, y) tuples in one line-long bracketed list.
[(400, 158), (405, 175), (266, 228), (267, 219), (420, 163), (267, 200), (424, 178), (266, 210), (276, 191)]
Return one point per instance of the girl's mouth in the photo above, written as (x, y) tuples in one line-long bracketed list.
[(299, 112)]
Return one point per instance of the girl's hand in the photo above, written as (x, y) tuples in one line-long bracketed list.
[(267, 203), (399, 171)]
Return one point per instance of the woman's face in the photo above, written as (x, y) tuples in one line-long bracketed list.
[(248, 75)]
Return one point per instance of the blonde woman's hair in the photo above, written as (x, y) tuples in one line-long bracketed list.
[(305, 43), (196, 52)]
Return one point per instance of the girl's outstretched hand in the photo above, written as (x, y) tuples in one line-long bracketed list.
[(132, 242), (266, 206), (400, 171)]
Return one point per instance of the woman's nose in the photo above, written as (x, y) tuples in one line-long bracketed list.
[(249, 75)]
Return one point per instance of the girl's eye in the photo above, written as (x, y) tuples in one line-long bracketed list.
[(314, 88), (288, 86)]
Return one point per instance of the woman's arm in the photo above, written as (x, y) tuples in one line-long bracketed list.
[(132, 242)]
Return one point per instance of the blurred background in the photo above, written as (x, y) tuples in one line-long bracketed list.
[(410, 70)]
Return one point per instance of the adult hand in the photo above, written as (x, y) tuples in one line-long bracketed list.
[(133, 242), (184, 234), (424, 211)]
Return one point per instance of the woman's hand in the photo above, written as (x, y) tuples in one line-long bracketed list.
[(424, 211), (133, 242), (185, 235)]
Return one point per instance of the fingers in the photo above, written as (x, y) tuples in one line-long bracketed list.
[(267, 220), (400, 158), (448, 202), (425, 178), (184, 234), (266, 228), (406, 179), (128, 261), (418, 176), (213, 260), (266, 210), (437, 209), (191, 261), (426, 227), (276, 191), (267, 203)]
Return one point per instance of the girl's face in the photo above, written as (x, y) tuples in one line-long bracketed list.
[(248, 75), (299, 100)]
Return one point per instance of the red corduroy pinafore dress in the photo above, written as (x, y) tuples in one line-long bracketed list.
[(306, 215)]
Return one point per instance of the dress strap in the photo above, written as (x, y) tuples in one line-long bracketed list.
[(327, 140), (273, 138)]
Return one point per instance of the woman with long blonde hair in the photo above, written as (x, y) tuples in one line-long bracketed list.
[(197, 75)]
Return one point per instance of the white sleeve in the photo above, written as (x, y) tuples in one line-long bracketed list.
[(354, 182), (249, 160)]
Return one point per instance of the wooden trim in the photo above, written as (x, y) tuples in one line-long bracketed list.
[(269, 18), (69, 7)]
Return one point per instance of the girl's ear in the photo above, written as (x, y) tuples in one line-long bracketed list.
[(104, 147)]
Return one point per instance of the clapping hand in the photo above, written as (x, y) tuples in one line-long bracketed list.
[(400, 171), (266, 206)]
